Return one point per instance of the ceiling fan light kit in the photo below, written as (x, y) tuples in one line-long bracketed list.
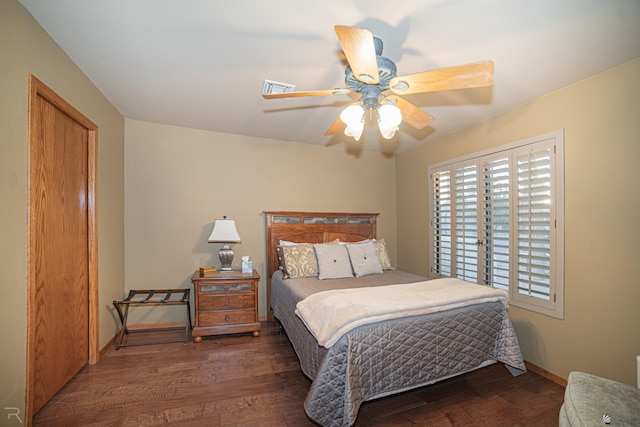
[(389, 118), (374, 77)]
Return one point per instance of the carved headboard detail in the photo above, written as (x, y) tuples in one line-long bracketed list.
[(313, 227)]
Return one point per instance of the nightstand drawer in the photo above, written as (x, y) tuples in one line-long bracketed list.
[(226, 302), (231, 317), (226, 287)]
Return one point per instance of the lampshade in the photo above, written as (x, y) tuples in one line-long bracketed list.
[(353, 117), (389, 117), (224, 231), (352, 114), (355, 130)]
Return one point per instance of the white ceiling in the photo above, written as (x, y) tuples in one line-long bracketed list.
[(201, 63)]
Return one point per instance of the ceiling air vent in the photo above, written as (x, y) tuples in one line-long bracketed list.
[(269, 86)]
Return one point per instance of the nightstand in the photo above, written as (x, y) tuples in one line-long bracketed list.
[(226, 302)]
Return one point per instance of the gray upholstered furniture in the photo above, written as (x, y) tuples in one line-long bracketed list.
[(588, 398)]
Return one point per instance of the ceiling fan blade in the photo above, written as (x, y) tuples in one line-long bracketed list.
[(461, 77), (327, 92), (337, 127), (360, 50), (411, 114)]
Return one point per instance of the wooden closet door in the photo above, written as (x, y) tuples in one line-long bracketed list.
[(59, 294)]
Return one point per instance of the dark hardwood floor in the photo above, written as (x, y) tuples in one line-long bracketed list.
[(240, 380)]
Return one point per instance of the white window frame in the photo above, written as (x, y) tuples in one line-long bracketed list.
[(554, 306)]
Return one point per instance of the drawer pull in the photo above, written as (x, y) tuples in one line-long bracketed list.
[(226, 288), (226, 317), (226, 303)]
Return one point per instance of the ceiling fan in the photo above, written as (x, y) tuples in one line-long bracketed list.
[(374, 77)]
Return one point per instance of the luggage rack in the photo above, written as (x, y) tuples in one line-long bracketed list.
[(164, 297)]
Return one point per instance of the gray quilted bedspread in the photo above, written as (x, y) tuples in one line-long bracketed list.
[(388, 357)]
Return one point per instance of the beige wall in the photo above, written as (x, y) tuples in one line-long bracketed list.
[(600, 333), (179, 180), (25, 48)]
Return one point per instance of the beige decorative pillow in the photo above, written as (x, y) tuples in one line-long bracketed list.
[(383, 255), (364, 259), (297, 261), (333, 261)]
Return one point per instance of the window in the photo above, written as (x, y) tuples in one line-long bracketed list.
[(497, 218)]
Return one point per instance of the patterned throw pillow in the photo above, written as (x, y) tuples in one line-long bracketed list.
[(333, 261), (383, 255), (297, 261), (364, 259)]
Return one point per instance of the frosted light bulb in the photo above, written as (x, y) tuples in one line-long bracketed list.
[(355, 130), (389, 115), (387, 133), (352, 115)]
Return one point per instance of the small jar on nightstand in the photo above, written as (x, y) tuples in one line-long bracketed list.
[(226, 302)]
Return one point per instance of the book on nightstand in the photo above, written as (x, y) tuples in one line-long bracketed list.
[(207, 270)]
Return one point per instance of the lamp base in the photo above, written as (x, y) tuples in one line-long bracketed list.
[(226, 257)]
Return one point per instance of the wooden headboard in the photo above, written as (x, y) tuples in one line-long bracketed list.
[(313, 227)]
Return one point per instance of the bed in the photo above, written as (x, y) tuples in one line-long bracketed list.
[(388, 356)]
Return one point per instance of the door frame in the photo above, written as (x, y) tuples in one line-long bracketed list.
[(38, 90)]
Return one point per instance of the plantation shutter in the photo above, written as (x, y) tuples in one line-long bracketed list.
[(496, 224), (466, 222), (534, 222), (442, 222)]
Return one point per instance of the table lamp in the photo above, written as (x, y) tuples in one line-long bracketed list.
[(225, 232)]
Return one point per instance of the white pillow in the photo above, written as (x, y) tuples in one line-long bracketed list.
[(364, 259), (288, 243), (285, 243), (361, 241), (333, 261)]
